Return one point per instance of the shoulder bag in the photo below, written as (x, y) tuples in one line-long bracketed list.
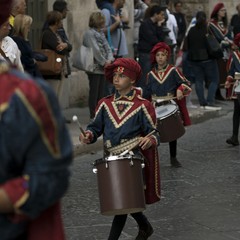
[(213, 46), (83, 59), (53, 65)]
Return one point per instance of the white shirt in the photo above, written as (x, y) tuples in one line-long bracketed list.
[(11, 51), (172, 25)]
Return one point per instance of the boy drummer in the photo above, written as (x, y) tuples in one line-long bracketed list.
[(165, 80), (122, 117)]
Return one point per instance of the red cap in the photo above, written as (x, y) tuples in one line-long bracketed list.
[(126, 66), (160, 47), (216, 9), (5, 9)]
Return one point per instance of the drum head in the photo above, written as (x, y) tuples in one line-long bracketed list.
[(165, 110)]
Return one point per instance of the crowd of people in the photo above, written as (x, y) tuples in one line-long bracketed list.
[(123, 96)]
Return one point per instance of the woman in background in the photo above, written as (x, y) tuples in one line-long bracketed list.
[(53, 41), (218, 26), (22, 25), (94, 38)]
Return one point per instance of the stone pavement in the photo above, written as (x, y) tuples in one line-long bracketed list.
[(197, 115)]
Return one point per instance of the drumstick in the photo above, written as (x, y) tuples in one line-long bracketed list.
[(135, 145), (223, 84), (75, 119), (167, 98)]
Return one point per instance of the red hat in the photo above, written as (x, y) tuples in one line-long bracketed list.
[(161, 46), (216, 9), (236, 39), (5, 9), (126, 66)]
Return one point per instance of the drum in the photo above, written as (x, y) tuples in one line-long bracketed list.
[(120, 184), (169, 123)]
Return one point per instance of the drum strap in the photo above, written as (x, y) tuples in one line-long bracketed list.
[(123, 146)]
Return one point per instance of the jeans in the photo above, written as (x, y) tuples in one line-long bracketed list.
[(206, 70)]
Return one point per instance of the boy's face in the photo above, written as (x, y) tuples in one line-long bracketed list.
[(161, 58), (122, 83)]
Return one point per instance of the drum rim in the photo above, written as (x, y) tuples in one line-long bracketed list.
[(118, 157), (169, 114)]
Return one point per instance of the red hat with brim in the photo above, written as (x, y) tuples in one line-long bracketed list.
[(216, 9), (127, 66), (161, 46), (5, 9)]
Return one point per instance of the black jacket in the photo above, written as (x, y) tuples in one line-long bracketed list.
[(149, 35)]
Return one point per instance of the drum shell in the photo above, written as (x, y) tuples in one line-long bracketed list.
[(120, 186), (170, 127)]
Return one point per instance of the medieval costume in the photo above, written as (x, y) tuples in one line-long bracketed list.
[(123, 120), (35, 153), (165, 82), (232, 82)]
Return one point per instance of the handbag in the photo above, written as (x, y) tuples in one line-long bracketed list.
[(54, 64), (213, 47), (83, 59)]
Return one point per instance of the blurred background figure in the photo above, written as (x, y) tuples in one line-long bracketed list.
[(150, 33), (22, 25), (18, 7), (53, 41), (218, 26), (202, 64), (139, 12), (235, 21), (181, 22), (95, 38), (8, 48)]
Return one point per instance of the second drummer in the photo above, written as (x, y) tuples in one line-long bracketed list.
[(124, 118), (165, 80)]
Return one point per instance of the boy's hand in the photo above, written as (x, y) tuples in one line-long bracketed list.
[(145, 143), (84, 139), (179, 94)]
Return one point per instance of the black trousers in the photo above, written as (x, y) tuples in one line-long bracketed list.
[(236, 117), (120, 220), (173, 149)]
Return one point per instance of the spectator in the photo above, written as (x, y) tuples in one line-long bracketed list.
[(95, 39), (34, 165), (53, 41), (18, 7), (150, 33), (139, 12), (232, 81), (8, 48), (114, 28), (235, 21), (218, 26), (181, 22), (22, 25), (61, 6), (171, 24), (201, 63)]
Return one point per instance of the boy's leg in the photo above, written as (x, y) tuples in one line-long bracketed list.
[(117, 226), (145, 228)]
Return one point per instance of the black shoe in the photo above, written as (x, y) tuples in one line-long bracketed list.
[(145, 234), (175, 163), (233, 140)]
